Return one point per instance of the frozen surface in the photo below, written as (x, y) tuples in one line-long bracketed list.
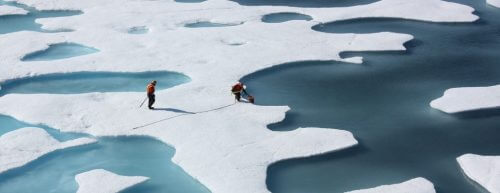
[(11, 10), (485, 170), (102, 181), (417, 185), (495, 3), (24, 145), (199, 118), (236, 151), (463, 99)]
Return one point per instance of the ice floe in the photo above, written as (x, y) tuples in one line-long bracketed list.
[(226, 146), (24, 145), (11, 10), (463, 99), (103, 181), (417, 185), (485, 170), (495, 3), (233, 139)]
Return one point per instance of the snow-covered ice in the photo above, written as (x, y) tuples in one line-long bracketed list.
[(103, 181), (485, 170), (463, 99), (233, 142), (11, 10), (24, 145), (226, 146), (417, 185), (495, 3)]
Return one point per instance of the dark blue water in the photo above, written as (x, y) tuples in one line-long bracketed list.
[(305, 3), (59, 51), (284, 17), (385, 104), (14, 23), (129, 156), (85, 82), (203, 24)]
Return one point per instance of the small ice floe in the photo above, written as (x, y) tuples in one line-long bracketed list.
[(495, 3), (11, 10), (102, 181), (417, 185), (463, 99), (24, 145), (485, 170)]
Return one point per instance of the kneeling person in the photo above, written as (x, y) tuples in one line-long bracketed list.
[(237, 89)]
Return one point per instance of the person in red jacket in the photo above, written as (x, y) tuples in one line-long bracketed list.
[(237, 89), (150, 90)]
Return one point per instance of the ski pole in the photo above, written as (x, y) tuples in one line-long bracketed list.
[(143, 102)]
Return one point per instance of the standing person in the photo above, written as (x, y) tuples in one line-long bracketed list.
[(150, 90), (237, 89)]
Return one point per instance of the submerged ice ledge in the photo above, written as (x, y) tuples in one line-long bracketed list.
[(11, 10), (417, 185), (24, 145), (463, 99), (485, 170), (102, 181)]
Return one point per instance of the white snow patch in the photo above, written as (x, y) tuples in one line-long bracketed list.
[(417, 185), (495, 3), (11, 10), (24, 145), (463, 99), (102, 181), (226, 149), (485, 170)]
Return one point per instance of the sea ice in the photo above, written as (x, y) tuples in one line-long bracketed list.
[(417, 185), (102, 181), (24, 145), (485, 170), (463, 99), (226, 146), (495, 3), (11, 10)]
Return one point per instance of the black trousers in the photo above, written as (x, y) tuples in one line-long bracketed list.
[(151, 100), (237, 96)]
